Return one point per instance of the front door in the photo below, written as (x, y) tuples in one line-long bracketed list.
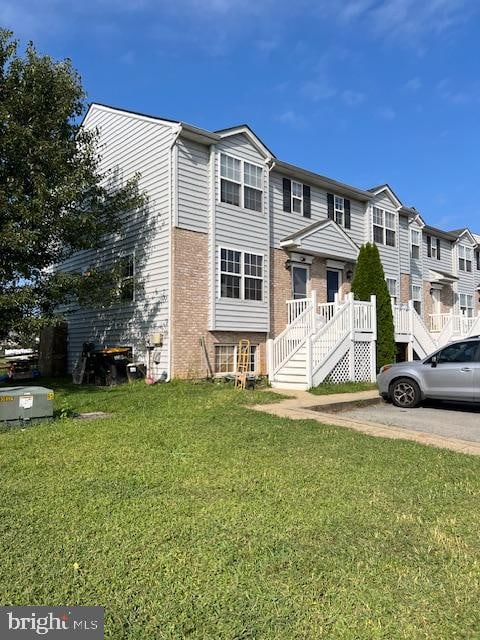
[(299, 282), (333, 284)]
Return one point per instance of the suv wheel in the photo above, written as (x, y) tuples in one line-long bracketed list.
[(405, 393)]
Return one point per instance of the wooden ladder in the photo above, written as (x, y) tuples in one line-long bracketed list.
[(243, 362)]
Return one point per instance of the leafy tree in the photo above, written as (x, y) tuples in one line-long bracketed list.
[(54, 199), (369, 279)]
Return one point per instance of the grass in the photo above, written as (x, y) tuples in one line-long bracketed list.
[(328, 388), (187, 515)]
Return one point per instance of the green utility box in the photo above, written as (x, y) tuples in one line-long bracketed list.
[(23, 404)]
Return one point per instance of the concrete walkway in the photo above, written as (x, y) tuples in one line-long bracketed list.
[(298, 406)]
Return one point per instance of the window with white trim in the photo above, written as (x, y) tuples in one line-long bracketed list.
[(241, 183), (392, 288), (416, 291), (297, 197), (415, 243), (465, 258), (339, 209), (384, 227), (466, 304), (477, 258), (127, 278), (226, 359), (241, 275)]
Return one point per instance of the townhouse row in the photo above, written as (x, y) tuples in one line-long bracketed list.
[(231, 234)]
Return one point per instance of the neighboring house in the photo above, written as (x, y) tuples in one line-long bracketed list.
[(231, 233)]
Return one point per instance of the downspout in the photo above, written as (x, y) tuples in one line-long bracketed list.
[(171, 222), (270, 163)]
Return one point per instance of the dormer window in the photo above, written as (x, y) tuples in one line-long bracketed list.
[(384, 227), (241, 183), (465, 258), (415, 242)]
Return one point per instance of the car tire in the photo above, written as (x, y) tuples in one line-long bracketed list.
[(405, 393)]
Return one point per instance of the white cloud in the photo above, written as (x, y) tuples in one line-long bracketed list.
[(319, 89), (353, 98), (414, 84), (386, 113), (292, 118)]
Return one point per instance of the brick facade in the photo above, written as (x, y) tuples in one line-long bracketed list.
[(190, 309), (404, 288), (280, 290)]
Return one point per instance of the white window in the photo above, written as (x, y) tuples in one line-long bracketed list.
[(384, 227), (339, 208), (127, 278), (297, 197), (415, 242), (465, 258), (433, 243), (241, 275), (466, 304), (417, 298), (226, 359), (241, 183), (392, 288)]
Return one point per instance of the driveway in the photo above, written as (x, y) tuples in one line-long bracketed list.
[(455, 427), (460, 422)]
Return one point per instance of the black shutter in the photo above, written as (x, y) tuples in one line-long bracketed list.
[(438, 248), (331, 213), (307, 207), (348, 217), (429, 246), (287, 195)]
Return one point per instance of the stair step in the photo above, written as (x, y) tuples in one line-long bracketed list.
[(290, 385)]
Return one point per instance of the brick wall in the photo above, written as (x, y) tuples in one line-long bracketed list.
[(447, 298), (280, 290), (427, 302), (190, 309), (404, 288), (318, 279)]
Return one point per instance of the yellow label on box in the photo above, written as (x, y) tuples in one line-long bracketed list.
[(6, 398), (50, 395)]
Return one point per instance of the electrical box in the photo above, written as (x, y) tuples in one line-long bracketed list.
[(23, 404)]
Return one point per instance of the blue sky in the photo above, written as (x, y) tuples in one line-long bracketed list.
[(364, 91)]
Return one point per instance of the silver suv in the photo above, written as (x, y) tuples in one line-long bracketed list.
[(451, 373)]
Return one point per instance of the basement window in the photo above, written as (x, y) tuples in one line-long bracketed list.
[(226, 359)]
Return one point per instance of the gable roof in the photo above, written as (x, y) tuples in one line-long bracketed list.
[(391, 193), (446, 235), (246, 130), (324, 238), (459, 233)]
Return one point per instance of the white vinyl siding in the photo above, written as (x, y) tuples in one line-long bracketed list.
[(193, 178), (130, 145), (283, 223), (242, 230)]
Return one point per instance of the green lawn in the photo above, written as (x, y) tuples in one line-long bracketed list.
[(328, 388), (187, 515)]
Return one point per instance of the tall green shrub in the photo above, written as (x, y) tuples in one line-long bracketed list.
[(369, 280)]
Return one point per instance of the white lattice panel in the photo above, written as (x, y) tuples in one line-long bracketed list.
[(362, 351), (341, 371)]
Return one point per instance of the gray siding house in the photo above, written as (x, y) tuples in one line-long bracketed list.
[(235, 243)]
